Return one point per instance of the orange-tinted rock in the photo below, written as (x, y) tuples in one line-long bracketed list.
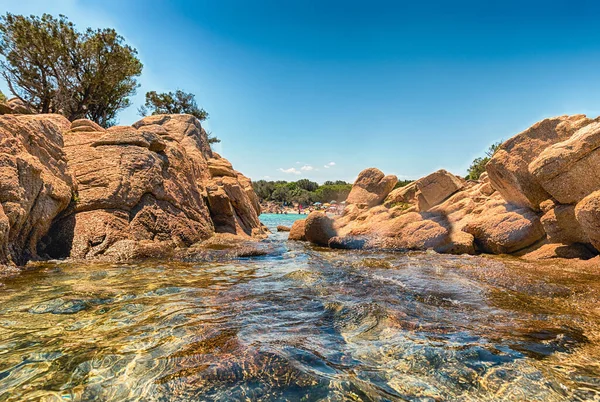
[(505, 229), (508, 168), (318, 228), (587, 213), (371, 187), (435, 188), (35, 185), (297, 230), (570, 170)]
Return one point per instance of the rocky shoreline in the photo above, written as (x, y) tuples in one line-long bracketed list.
[(76, 190), (156, 189), (539, 199)]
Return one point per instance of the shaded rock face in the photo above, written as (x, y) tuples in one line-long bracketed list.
[(371, 187), (35, 185), (561, 226), (588, 215), (134, 184), (14, 106), (508, 169)]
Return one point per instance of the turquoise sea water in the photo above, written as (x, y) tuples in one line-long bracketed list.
[(274, 220), (302, 323)]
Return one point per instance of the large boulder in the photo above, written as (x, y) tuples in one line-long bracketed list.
[(587, 213), (318, 228), (147, 188), (505, 229), (35, 185), (371, 187), (402, 195), (297, 232), (435, 188), (570, 170), (508, 169), (561, 226)]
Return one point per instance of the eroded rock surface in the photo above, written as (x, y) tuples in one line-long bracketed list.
[(508, 169), (540, 198), (371, 187), (79, 190), (35, 185)]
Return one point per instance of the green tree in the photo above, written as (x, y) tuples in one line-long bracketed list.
[(478, 165), (177, 102), (53, 68), (307, 184), (402, 183)]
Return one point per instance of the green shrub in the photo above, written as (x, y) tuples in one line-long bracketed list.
[(478, 165)]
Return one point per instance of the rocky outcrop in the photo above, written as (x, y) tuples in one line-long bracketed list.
[(371, 187), (540, 199), (508, 169), (297, 232), (318, 228), (505, 229), (78, 190), (570, 170), (560, 224), (14, 106), (35, 185), (435, 188), (588, 216)]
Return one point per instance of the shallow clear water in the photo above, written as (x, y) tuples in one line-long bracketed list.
[(302, 323)]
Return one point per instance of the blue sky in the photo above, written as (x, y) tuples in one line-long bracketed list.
[(323, 89)]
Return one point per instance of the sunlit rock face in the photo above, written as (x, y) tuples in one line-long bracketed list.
[(540, 192), (508, 169), (78, 190)]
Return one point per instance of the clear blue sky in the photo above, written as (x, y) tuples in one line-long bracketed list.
[(408, 87)]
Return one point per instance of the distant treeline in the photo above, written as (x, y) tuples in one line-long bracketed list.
[(305, 191), (302, 191)]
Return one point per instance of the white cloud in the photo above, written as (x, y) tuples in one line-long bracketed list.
[(307, 168), (291, 170), (326, 166), (266, 177), (331, 163)]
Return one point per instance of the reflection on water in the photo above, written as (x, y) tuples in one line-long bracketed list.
[(302, 324)]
